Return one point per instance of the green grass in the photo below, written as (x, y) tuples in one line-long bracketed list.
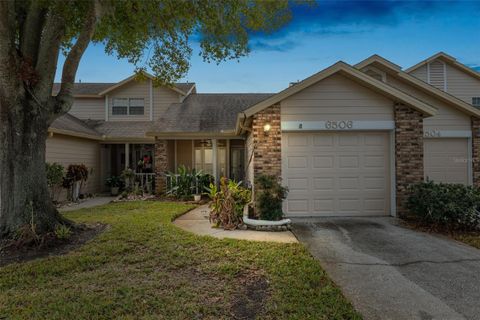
[(145, 267)]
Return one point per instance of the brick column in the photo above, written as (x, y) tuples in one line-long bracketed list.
[(161, 165), (267, 146), (476, 151), (408, 153)]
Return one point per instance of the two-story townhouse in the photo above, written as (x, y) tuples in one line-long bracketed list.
[(348, 140)]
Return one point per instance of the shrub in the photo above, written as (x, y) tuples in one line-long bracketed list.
[(114, 182), (76, 175), (188, 182), (63, 232), (451, 206), (228, 203), (269, 195), (54, 178), (128, 176)]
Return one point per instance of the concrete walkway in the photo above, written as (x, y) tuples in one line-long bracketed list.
[(391, 272), (89, 203), (196, 221)]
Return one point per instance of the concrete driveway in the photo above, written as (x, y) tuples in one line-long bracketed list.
[(390, 272)]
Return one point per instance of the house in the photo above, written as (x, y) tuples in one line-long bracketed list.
[(348, 140)]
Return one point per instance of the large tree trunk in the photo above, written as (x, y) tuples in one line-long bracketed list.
[(24, 198)]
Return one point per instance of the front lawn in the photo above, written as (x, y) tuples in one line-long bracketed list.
[(143, 266)]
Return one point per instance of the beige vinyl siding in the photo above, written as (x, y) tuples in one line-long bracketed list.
[(420, 73), (88, 108), (336, 98), (446, 118), (133, 89), (446, 160), (184, 153), (461, 84), (67, 150), (437, 74), (162, 98)]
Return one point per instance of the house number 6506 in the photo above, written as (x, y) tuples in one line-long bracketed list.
[(339, 125)]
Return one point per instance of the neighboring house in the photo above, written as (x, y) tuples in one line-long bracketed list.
[(348, 140)]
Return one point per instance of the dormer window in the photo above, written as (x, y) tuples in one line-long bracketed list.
[(125, 106), (476, 102)]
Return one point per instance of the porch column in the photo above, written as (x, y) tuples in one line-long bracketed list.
[(127, 155), (214, 159), (408, 153), (161, 166)]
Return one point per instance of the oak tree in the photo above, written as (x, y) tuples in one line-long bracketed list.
[(154, 34)]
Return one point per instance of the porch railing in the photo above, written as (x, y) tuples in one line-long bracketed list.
[(145, 181)]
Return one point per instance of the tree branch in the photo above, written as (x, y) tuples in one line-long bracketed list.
[(64, 97), (31, 32), (8, 56), (48, 51)]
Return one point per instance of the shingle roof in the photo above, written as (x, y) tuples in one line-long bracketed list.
[(67, 122), (206, 112), (94, 88), (123, 129)]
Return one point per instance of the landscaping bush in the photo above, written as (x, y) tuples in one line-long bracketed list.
[(228, 203), (269, 195), (54, 178), (76, 176), (188, 182), (451, 206)]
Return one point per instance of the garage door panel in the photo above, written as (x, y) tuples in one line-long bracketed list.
[(348, 161), (297, 162), (324, 205), (322, 141), (345, 173), (298, 205), (323, 161), (445, 160), (324, 183)]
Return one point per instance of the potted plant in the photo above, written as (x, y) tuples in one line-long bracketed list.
[(114, 183), (76, 176), (197, 197)]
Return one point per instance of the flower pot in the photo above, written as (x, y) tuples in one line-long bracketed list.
[(197, 197), (114, 191)]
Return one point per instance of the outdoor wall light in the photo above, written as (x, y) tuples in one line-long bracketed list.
[(267, 127)]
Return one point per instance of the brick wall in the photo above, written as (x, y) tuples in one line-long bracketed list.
[(476, 151), (408, 152), (161, 165), (267, 146)]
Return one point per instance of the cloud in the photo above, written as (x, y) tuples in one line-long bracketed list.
[(331, 18)]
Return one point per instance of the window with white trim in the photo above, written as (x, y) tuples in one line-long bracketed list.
[(120, 106), (476, 102), (126, 106)]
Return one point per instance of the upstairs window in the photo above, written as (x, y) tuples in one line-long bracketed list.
[(137, 106), (132, 106), (120, 106), (476, 102)]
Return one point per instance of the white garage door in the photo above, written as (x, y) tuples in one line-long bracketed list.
[(445, 160), (336, 173)]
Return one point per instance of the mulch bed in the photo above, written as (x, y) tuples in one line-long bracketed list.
[(458, 235), (10, 253)]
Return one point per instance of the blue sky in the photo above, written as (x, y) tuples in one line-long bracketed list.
[(404, 32)]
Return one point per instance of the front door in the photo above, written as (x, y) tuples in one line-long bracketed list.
[(237, 159)]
